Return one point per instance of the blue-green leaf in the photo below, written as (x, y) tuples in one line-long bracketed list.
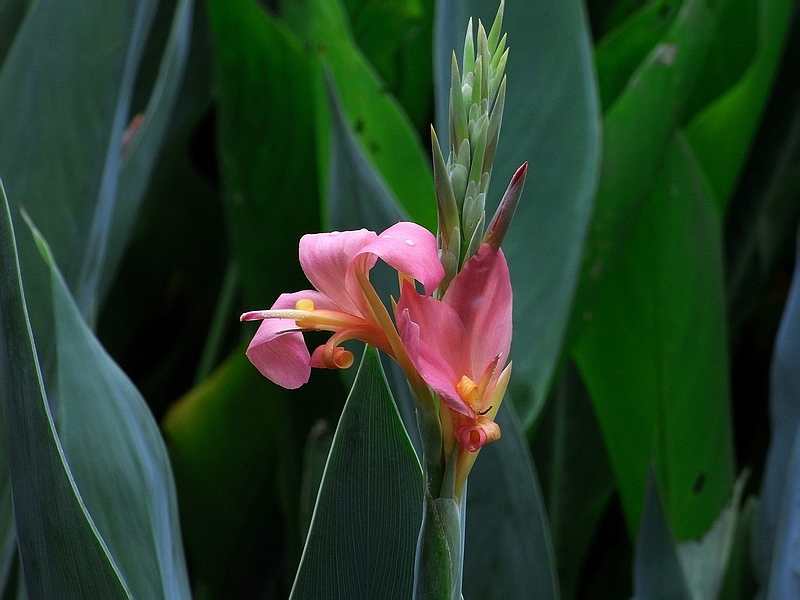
[(657, 574), (364, 530), (141, 151), (777, 524), (61, 550), (65, 90), (509, 554)]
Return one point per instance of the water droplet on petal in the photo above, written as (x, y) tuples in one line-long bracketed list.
[(386, 236), (411, 242)]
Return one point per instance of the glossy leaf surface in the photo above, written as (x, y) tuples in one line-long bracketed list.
[(365, 525)]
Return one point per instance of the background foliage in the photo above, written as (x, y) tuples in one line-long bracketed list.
[(160, 162)]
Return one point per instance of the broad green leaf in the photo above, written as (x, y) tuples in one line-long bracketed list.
[(721, 134), (121, 456), (658, 376), (657, 574), (357, 194), (65, 90), (635, 141), (142, 149), (383, 130), (266, 145), (508, 551), (551, 120), (620, 53), (396, 37), (576, 475), (777, 524), (364, 530), (60, 548)]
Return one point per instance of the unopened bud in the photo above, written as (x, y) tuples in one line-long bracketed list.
[(505, 211)]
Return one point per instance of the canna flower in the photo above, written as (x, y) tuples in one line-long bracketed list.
[(460, 343), (343, 302)]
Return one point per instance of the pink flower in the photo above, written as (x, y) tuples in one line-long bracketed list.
[(459, 344), (344, 302)]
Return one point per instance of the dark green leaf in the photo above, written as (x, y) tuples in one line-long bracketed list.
[(61, 550), (658, 376), (623, 50), (734, 116), (635, 140), (576, 475), (226, 438), (364, 531), (266, 145), (357, 194), (396, 38), (65, 90), (551, 120), (508, 551), (382, 129), (762, 218), (121, 456), (657, 574), (142, 149)]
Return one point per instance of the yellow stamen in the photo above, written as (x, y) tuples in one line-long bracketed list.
[(469, 392), (304, 304)]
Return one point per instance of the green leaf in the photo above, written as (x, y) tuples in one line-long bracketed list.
[(551, 120), (266, 145), (734, 116), (623, 50), (364, 530), (357, 194), (142, 150), (61, 135), (11, 14), (61, 550), (647, 372), (635, 141), (383, 130), (509, 553), (657, 574), (121, 456), (396, 38), (576, 475)]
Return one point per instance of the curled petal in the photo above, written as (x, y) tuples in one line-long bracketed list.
[(279, 352), (326, 259), (473, 436), (410, 249)]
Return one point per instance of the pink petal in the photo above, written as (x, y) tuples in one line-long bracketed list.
[(435, 340), (280, 357), (481, 295), (411, 249), (326, 259)]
